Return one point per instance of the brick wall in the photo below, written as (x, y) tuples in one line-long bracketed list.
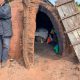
[(17, 25), (24, 26)]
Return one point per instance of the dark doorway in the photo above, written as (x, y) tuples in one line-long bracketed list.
[(51, 41), (43, 21)]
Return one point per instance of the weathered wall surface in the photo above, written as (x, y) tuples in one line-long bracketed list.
[(30, 10), (24, 26), (17, 25)]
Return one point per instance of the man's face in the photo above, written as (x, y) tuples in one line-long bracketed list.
[(1, 1)]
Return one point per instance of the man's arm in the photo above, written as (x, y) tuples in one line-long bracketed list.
[(5, 11)]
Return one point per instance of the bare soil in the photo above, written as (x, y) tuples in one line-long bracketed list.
[(48, 66)]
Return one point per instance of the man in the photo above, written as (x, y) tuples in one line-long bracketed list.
[(5, 31)]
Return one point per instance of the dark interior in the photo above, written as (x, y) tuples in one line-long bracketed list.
[(43, 21)]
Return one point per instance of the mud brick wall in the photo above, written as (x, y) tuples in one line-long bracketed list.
[(28, 33), (17, 25), (24, 26), (31, 8)]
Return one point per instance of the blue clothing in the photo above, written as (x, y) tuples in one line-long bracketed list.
[(5, 20), (4, 48)]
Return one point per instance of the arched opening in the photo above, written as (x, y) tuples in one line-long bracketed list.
[(46, 35), (43, 21)]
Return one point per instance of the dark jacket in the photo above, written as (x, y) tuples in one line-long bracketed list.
[(5, 20)]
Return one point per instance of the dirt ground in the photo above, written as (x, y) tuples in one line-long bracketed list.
[(48, 66)]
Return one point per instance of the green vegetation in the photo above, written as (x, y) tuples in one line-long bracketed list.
[(78, 5)]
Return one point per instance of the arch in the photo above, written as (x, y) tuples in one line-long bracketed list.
[(30, 13), (50, 11)]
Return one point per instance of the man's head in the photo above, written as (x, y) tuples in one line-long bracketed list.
[(1, 1)]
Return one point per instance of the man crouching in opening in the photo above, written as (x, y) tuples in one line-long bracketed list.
[(5, 31)]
